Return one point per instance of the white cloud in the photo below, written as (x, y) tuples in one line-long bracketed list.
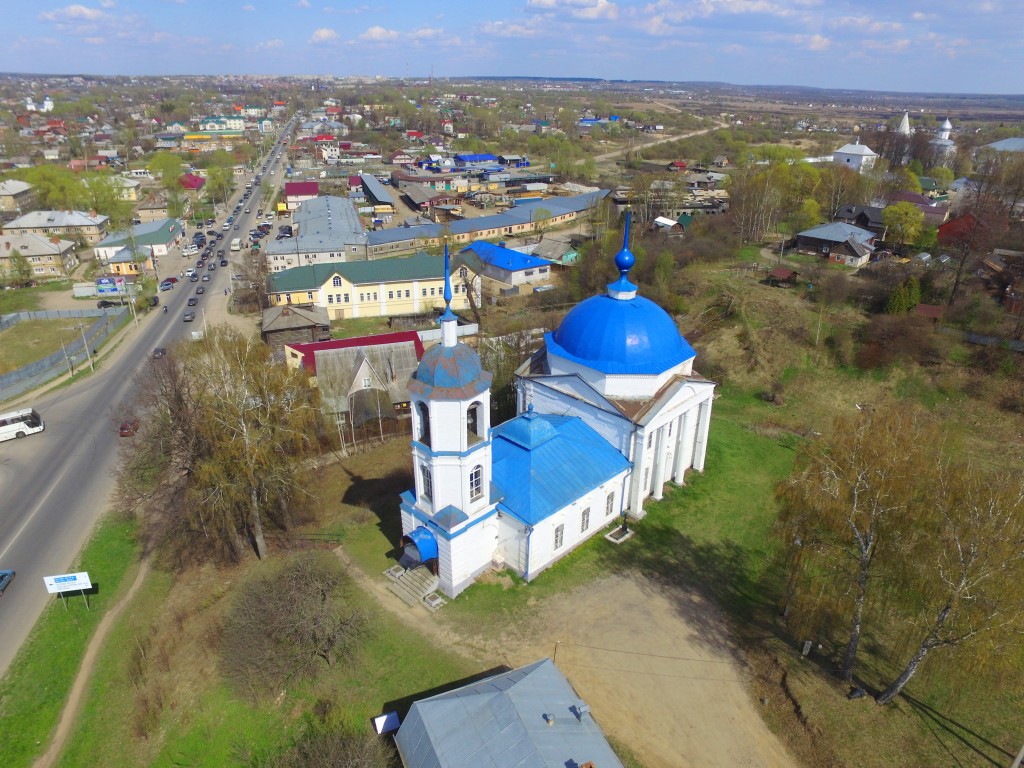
[(302, 4), (579, 9), (323, 35), (379, 34), (72, 13), (249, 8), (529, 28), (427, 33), (95, 40), (817, 43), (269, 45)]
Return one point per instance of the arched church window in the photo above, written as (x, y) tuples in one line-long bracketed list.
[(424, 423), (475, 423), (476, 482), (427, 482)]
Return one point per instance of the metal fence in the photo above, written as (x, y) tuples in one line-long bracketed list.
[(98, 325)]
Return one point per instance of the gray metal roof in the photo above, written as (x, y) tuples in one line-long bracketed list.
[(527, 718), (376, 189), (325, 224), (392, 366), (37, 219)]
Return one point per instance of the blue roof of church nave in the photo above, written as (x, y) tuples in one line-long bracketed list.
[(543, 463)]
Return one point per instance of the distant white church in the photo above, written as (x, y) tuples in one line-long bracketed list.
[(609, 411)]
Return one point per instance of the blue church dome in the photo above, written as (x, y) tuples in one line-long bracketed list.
[(616, 335), (450, 368), (620, 332)]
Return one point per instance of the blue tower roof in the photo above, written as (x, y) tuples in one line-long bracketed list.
[(620, 332), (449, 372)]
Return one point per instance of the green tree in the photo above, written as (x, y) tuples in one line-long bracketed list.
[(167, 167), (19, 271), (903, 222)]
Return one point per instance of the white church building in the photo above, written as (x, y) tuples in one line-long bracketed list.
[(609, 412)]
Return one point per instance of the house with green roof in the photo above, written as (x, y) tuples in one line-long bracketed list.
[(408, 285), (158, 236)]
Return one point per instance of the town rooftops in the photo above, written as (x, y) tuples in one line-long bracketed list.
[(325, 223), (13, 187), (375, 189), (301, 188), (56, 219), (308, 351), (856, 149), (149, 233)]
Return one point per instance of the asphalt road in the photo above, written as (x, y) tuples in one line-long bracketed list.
[(55, 485)]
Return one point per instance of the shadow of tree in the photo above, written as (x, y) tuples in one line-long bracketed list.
[(973, 741), (380, 495)]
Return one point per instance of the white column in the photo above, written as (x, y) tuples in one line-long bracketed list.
[(659, 462), (679, 465), (700, 445), (636, 479)]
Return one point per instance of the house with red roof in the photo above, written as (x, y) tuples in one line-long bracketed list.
[(191, 182), (297, 192)]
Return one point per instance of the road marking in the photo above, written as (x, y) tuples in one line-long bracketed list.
[(32, 514)]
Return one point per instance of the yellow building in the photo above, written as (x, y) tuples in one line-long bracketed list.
[(383, 288)]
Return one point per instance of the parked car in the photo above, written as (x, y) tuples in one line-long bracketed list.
[(104, 304), (206, 277), (128, 427), (171, 279), (154, 301), (192, 301), (223, 262), (165, 286), (159, 352), (200, 290), (189, 317), (6, 577)]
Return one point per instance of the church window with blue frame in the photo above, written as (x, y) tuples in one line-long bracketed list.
[(559, 536), (476, 482)]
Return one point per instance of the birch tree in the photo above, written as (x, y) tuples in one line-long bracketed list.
[(845, 515), (970, 556)]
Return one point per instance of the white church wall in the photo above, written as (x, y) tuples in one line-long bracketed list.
[(450, 481), (543, 552), (512, 541), (621, 386), (469, 553)]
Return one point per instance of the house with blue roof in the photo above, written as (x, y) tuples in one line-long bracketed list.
[(506, 266), (610, 411)]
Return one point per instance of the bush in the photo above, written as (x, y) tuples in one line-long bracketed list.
[(889, 339), (339, 749), (284, 625)]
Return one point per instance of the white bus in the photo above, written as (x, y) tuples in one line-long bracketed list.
[(20, 423)]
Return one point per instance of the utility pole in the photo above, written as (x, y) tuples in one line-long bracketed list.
[(88, 354)]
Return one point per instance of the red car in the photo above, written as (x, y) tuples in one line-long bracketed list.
[(128, 427), (171, 279)]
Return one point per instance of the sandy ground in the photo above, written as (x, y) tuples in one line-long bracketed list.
[(655, 664)]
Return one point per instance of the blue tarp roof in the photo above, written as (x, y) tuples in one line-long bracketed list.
[(504, 258), (545, 462), (485, 157)]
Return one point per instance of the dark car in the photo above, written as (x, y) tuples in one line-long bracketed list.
[(220, 235), (192, 301), (189, 317), (194, 279), (212, 266), (104, 304), (206, 277), (159, 352), (211, 233), (154, 301), (6, 577), (220, 252), (223, 262), (200, 290), (128, 427)]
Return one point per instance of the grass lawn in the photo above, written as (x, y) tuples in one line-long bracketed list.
[(22, 299), (359, 326), (172, 708), (32, 340), (33, 691)]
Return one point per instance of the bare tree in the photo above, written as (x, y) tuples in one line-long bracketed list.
[(845, 513), (970, 564)]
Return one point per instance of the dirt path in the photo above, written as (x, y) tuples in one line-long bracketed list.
[(67, 716), (656, 665)]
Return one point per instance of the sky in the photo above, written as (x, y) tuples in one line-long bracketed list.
[(966, 46)]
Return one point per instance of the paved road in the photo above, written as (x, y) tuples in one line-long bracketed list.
[(54, 485)]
